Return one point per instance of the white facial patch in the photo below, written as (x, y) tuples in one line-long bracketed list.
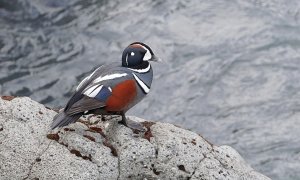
[(109, 77), (148, 55)]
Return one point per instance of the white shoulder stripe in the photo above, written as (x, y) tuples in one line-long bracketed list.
[(94, 72), (141, 70), (142, 84), (109, 77), (81, 83)]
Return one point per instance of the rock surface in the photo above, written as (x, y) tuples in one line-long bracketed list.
[(95, 148)]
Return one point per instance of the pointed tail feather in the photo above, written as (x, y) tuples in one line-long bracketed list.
[(62, 119)]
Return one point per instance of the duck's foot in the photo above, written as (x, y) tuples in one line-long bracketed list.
[(131, 124)]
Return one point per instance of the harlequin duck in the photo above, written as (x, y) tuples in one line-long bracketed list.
[(111, 89)]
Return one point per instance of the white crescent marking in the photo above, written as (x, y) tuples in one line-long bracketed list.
[(127, 59), (141, 83), (148, 55)]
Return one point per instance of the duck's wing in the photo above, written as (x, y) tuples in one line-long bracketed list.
[(94, 90)]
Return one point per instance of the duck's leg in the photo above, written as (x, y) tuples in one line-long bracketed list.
[(124, 120), (131, 124)]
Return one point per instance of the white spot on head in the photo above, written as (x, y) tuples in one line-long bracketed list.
[(132, 53)]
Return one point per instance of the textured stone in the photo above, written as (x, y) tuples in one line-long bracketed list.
[(96, 149)]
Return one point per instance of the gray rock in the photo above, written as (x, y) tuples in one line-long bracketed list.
[(96, 149)]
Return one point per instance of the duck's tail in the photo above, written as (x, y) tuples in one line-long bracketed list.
[(62, 119)]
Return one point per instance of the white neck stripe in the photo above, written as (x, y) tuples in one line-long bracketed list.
[(141, 70), (141, 83)]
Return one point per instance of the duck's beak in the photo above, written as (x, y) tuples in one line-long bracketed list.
[(155, 59)]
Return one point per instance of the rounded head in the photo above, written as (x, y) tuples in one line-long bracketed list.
[(136, 53)]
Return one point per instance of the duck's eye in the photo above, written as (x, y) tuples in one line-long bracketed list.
[(132, 53)]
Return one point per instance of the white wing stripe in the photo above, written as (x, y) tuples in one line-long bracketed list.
[(95, 92), (109, 77), (81, 83), (141, 70), (90, 90), (141, 83), (94, 72), (86, 78)]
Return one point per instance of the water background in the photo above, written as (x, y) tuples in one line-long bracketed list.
[(231, 71)]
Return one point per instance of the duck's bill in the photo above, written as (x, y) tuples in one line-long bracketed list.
[(155, 59)]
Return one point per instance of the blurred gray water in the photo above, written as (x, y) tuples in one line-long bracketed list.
[(231, 71)]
